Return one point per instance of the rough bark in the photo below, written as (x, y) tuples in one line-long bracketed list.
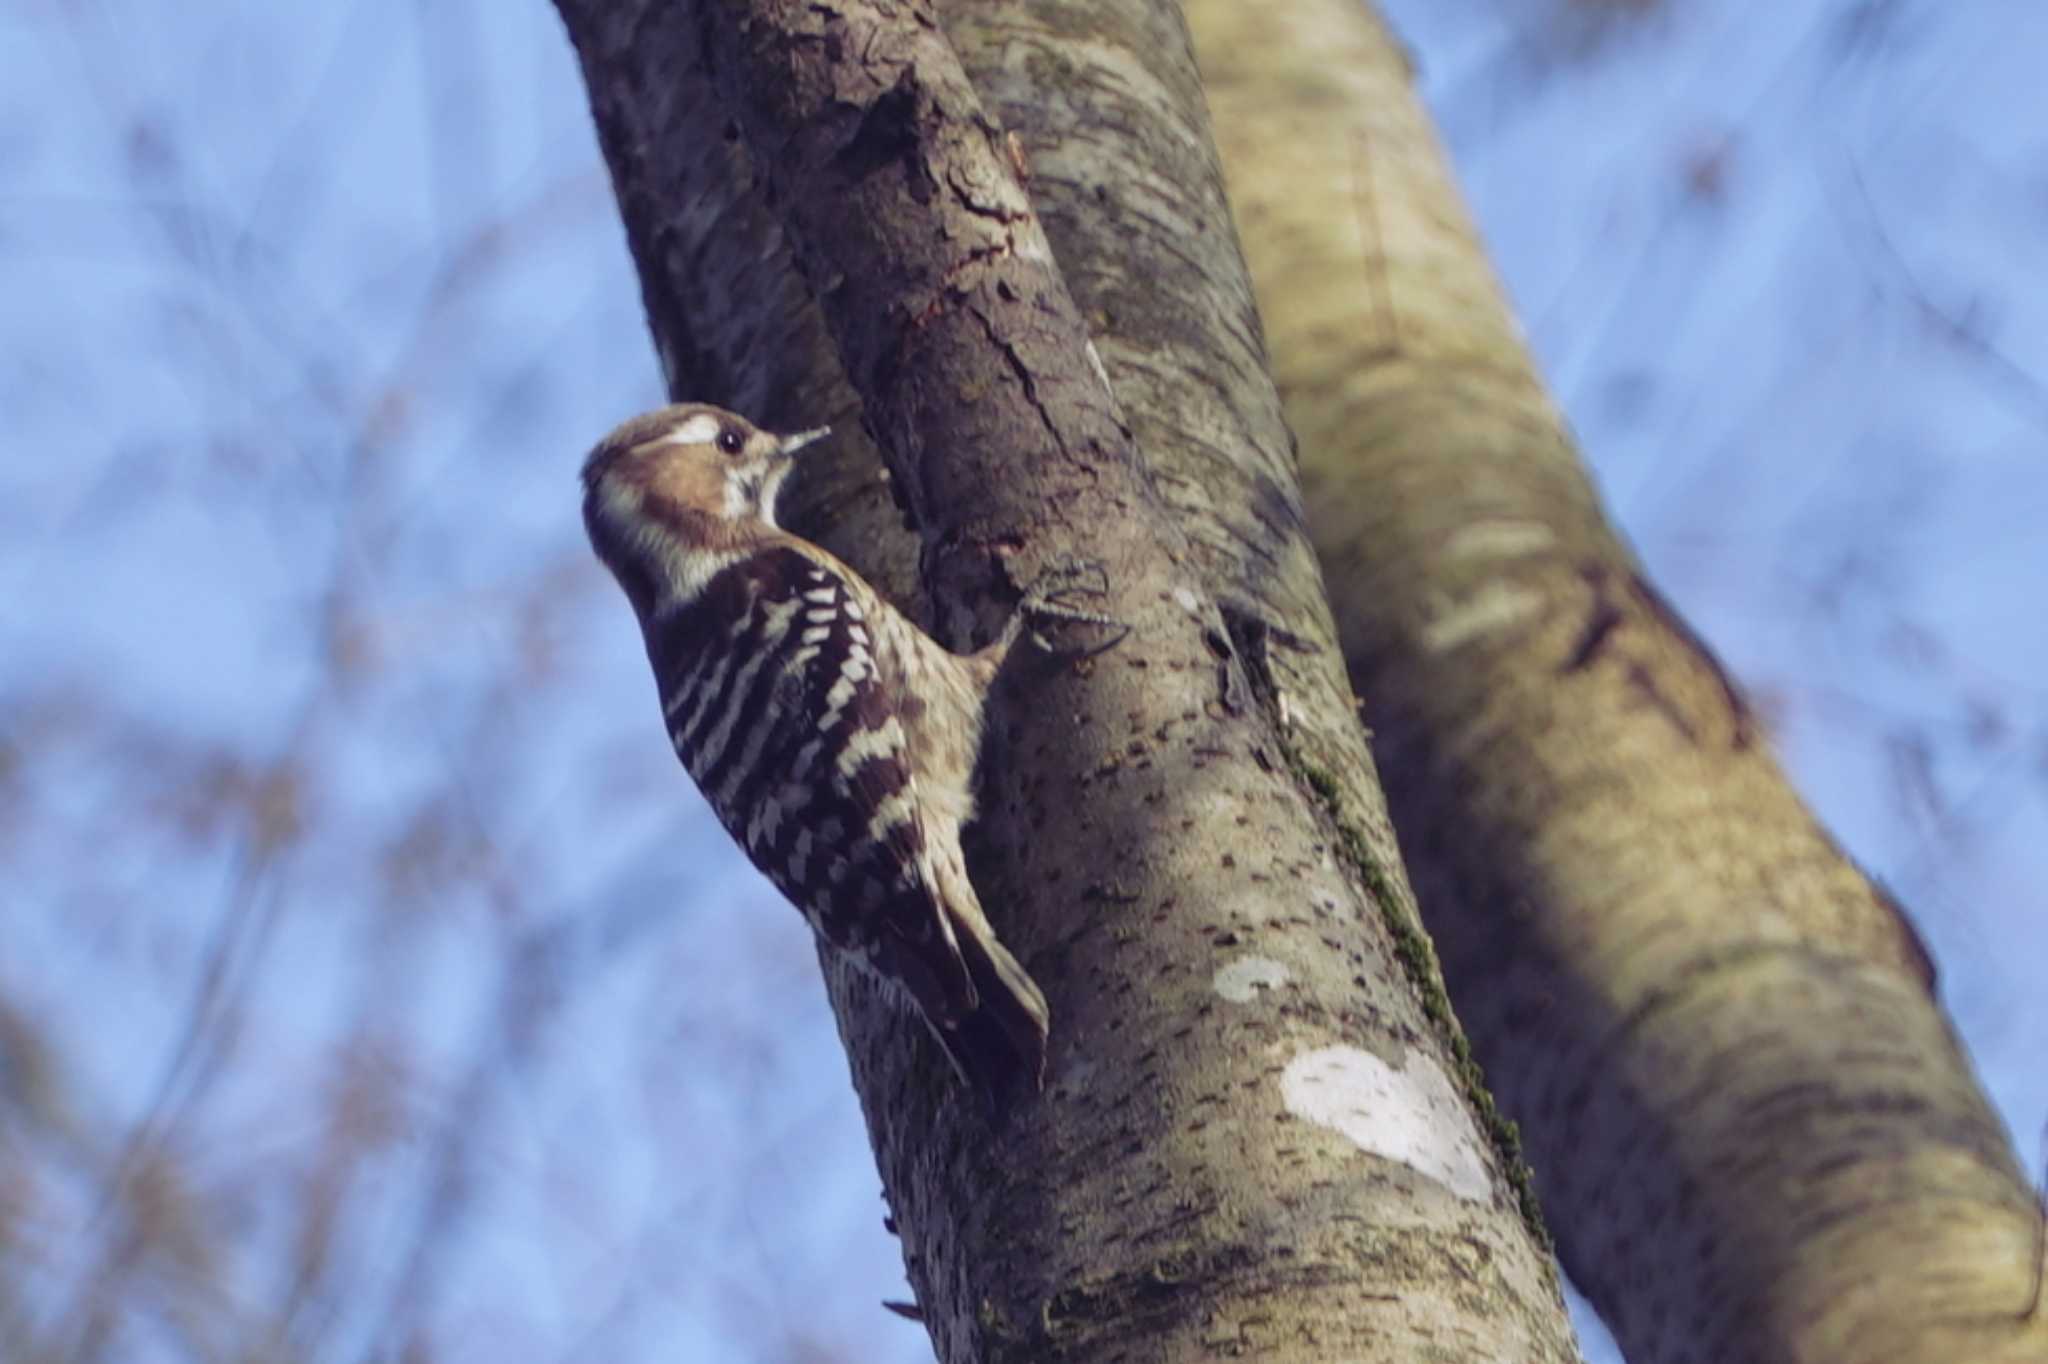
[(1754, 1132), (1257, 1133)]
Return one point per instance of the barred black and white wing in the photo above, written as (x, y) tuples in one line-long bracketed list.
[(835, 739), (786, 702)]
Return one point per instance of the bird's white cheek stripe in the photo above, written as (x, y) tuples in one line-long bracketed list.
[(742, 496)]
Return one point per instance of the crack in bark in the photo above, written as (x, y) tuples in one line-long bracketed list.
[(1606, 619), (1023, 373)]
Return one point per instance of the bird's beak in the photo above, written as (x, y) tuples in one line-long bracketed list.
[(791, 444)]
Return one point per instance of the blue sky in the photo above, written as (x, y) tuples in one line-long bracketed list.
[(349, 897)]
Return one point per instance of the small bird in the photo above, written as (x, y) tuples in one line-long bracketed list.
[(836, 741)]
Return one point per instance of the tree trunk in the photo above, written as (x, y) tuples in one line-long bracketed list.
[(1754, 1132), (1259, 1133)]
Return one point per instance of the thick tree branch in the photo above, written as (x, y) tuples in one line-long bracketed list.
[(1255, 1133), (1754, 1132), (935, 278)]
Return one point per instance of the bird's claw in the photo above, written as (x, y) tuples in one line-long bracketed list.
[(1049, 598)]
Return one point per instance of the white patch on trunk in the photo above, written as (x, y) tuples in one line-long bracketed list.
[(1240, 981), (1412, 1115), (1496, 607), (1501, 539)]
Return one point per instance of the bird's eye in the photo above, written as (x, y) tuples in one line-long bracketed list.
[(730, 441)]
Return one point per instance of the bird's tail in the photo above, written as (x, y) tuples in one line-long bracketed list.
[(1002, 1040)]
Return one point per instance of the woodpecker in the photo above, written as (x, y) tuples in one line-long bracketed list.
[(836, 741)]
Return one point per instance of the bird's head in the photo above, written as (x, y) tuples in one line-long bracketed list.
[(698, 458), (669, 494)]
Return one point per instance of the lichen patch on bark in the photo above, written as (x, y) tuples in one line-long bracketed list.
[(1242, 979), (1411, 1113)]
